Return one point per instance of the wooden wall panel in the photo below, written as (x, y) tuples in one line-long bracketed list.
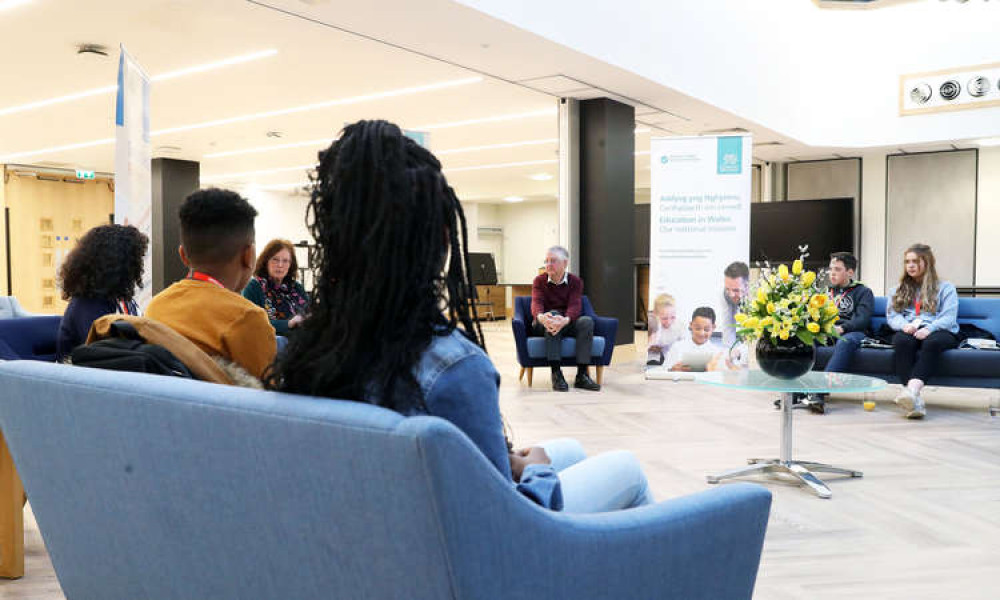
[(47, 217)]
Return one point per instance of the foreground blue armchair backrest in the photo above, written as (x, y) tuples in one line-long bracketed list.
[(153, 487)]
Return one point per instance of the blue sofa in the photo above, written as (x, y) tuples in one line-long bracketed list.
[(29, 338), (146, 486), (958, 368), (531, 348)]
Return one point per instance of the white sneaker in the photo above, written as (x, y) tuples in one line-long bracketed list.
[(919, 411), (905, 400)]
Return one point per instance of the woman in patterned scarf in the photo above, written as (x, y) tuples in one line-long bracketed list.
[(273, 286)]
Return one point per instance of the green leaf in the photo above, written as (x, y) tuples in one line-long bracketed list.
[(806, 336)]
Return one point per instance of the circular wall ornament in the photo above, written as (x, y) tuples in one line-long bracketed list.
[(921, 93), (950, 89), (978, 87)]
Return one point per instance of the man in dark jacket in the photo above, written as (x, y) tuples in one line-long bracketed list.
[(856, 304)]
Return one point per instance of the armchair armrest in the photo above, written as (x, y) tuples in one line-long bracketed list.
[(704, 546), (606, 327), (520, 339)]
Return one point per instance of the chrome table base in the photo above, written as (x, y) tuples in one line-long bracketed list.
[(801, 470)]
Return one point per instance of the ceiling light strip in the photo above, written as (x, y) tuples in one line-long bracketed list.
[(498, 146), (90, 144), (310, 143), (5, 4), (503, 165), (243, 118), (226, 62), (110, 89), (318, 105), (496, 119), (226, 176)]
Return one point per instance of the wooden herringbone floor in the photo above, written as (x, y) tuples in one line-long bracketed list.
[(924, 522)]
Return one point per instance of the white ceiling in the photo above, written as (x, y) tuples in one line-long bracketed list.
[(326, 50)]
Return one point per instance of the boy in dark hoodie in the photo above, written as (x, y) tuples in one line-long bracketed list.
[(856, 304)]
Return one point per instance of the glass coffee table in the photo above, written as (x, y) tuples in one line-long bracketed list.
[(814, 382)]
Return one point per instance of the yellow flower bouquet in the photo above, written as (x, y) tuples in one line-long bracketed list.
[(786, 303)]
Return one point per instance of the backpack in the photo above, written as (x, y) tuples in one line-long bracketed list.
[(127, 351)]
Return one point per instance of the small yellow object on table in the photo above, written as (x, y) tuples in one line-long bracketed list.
[(869, 405)]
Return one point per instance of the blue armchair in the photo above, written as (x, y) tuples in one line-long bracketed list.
[(158, 487), (531, 348), (29, 338)]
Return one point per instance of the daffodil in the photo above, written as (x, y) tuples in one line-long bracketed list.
[(808, 278), (831, 310), (739, 317), (784, 334), (814, 314), (818, 300), (813, 327), (770, 308), (761, 295), (797, 267), (783, 273), (767, 321)]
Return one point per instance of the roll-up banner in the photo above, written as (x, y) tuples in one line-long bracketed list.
[(700, 237), (133, 160)]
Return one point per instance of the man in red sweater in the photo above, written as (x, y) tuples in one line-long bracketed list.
[(556, 306)]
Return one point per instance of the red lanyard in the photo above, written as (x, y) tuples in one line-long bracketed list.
[(837, 299), (125, 307), (917, 306), (199, 276)]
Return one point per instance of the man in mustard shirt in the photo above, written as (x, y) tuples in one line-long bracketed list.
[(217, 245)]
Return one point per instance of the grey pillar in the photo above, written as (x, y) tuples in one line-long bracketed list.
[(607, 209), (173, 180)]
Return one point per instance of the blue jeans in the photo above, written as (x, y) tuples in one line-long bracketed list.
[(843, 352), (602, 483)]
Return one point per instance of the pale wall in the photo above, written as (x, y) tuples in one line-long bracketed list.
[(988, 219)]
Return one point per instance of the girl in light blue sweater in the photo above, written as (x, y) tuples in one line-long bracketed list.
[(924, 311)]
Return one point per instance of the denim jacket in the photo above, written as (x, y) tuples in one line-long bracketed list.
[(461, 384)]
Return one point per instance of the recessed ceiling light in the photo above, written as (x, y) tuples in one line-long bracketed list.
[(226, 176), (513, 199), (495, 119), (498, 146), (5, 4), (110, 89), (541, 176), (262, 115), (504, 165)]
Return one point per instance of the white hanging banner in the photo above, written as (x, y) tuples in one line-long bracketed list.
[(700, 220), (133, 159)]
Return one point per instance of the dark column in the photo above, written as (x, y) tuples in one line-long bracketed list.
[(607, 210), (173, 180)]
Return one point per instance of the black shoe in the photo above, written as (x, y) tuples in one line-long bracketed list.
[(817, 404), (559, 382), (584, 382)]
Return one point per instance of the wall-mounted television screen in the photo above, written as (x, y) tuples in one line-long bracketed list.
[(777, 229)]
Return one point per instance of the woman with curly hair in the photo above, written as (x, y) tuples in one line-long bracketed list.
[(924, 312), (273, 286), (99, 277), (393, 319)]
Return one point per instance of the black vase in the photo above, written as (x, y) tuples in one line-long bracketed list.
[(785, 359)]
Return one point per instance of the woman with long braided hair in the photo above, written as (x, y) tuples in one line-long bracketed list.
[(393, 322)]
